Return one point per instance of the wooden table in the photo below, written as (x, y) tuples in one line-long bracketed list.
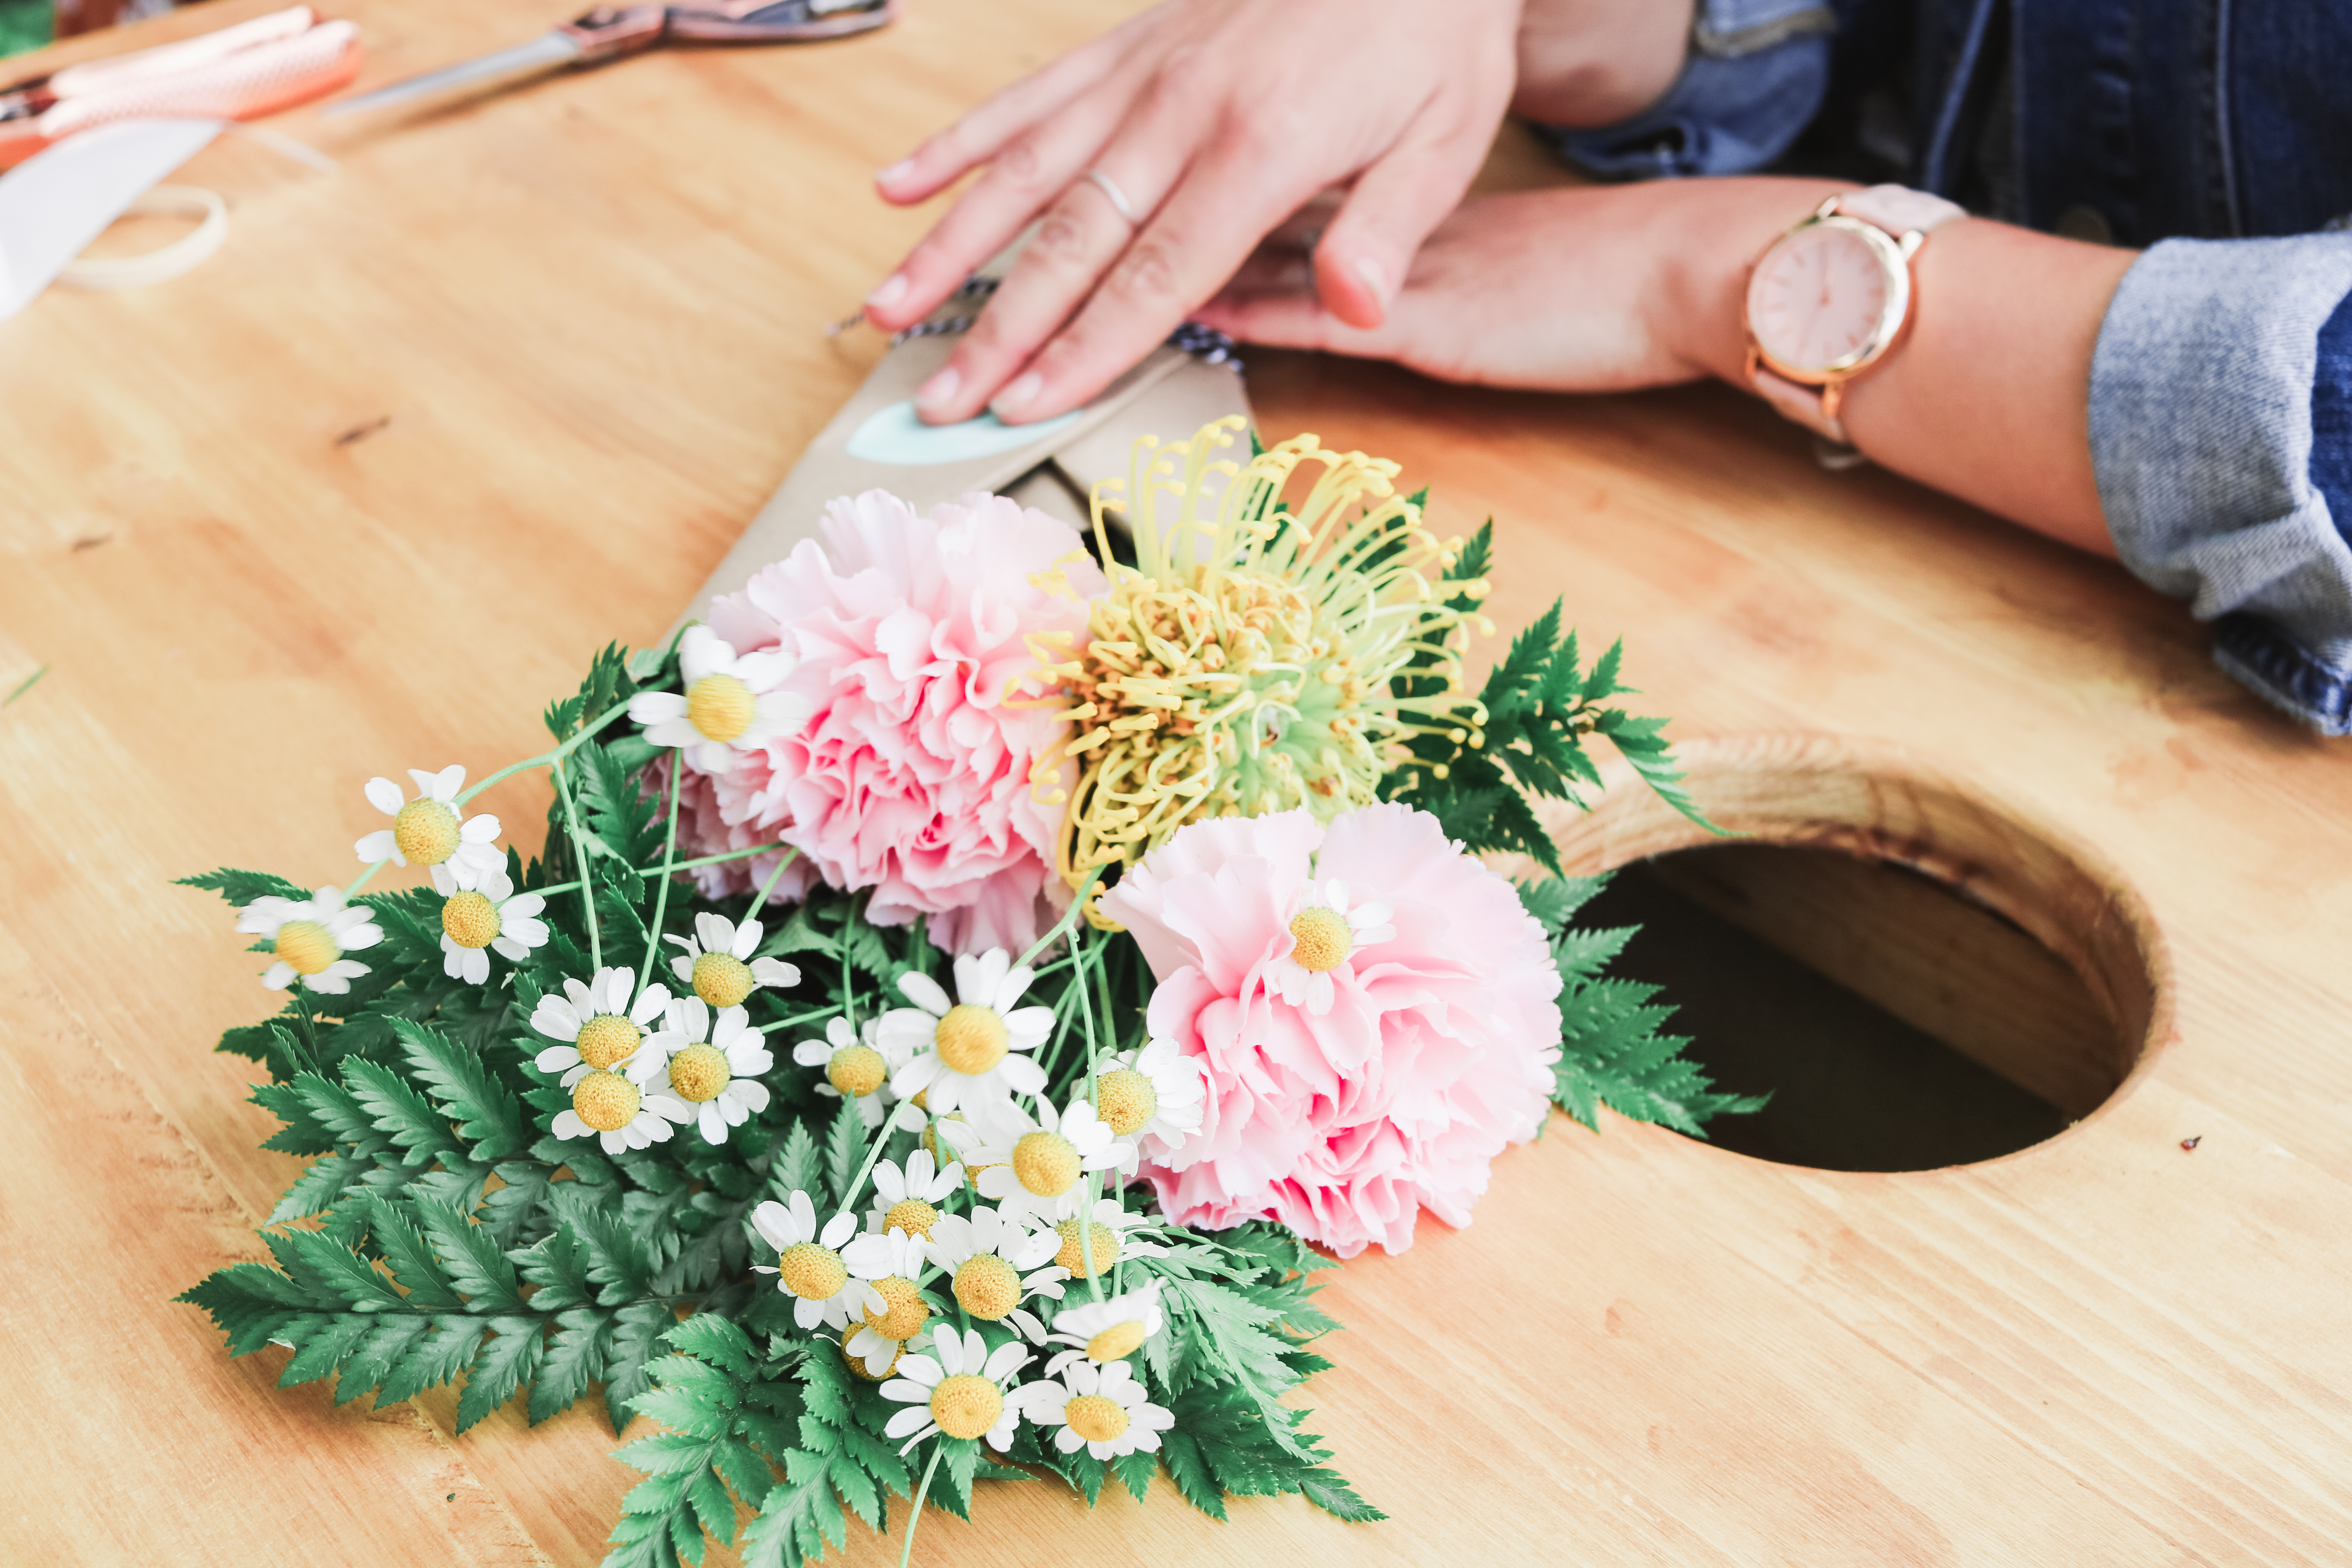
[(365, 490)]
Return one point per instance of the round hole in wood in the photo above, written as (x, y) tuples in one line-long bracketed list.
[(1928, 975)]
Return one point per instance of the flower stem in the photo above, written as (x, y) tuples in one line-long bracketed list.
[(579, 851), (544, 758), (661, 897), (1077, 908), (881, 1138), (907, 1552), (362, 881), (1086, 1203)]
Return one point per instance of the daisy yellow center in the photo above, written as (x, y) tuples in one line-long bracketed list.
[(1125, 1101), (1104, 1241), (425, 832), (1320, 939), (720, 707), (913, 1215), (607, 1039), (966, 1406), (305, 947), (721, 979), (698, 1073), (1118, 1340), (470, 919), (903, 1311), (857, 1363), (813, 1273), (856, 1070), (1095, 1418), (986, 1287), (971, 1039), (605, 1100), (1045, 1163)]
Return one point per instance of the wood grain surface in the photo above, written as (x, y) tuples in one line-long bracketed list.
[(363, 491)]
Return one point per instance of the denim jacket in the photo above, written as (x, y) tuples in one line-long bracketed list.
[(2214, 133)]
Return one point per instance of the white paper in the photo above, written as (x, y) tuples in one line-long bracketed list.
[(56, 202)]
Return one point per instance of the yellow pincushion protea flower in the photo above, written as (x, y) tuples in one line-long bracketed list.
[(1249, 661)]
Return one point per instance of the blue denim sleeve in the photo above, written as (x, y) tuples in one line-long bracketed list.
[(1755, 77), (2221, 436)]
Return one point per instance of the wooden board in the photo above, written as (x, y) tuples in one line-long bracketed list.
[(360, 493)]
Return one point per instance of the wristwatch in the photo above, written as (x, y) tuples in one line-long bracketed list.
[(1833, 297)]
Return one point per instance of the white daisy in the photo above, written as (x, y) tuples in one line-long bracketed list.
[(908, 1199), (1324, 935), (1117, 1232), (1157, 1093), (808, 1266), (987, 1256), (430, 831), (1030, 1161), (621, 1111), (599, 1028), (310, 936), (1108, 1330), (1102, 1407), (712, 1063), (490, 914), (888, 1263), (860, 1068), (731, 702), (718, 965), (957, 1388), (967, 1051)]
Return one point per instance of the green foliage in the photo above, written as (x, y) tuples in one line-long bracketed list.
[(1526, 735), (1612, 1050)]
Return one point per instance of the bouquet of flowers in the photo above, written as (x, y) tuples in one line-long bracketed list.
[(962, 987)]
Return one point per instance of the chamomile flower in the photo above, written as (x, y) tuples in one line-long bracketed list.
[(1158, 1092), (907, 1199), (1325, 933), (1107, 1330), (622, 1112), (808, 1266), (431, 831), (733, 702), (490, 914), (309, 937), (600, 1030), (988, 1258), (1032, 1162), (1114, 1231), (857, 1068), (888, 1263), (712, 1063), (1102, 1408), (718, 965), (967, 1051), (957, 1388)]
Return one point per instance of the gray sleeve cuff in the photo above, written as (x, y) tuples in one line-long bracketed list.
[(2200, 437)]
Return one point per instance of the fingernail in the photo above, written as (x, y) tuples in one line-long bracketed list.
[(1018, 395), (940, 388), (892, 289), (1373, 278), (896, 173)]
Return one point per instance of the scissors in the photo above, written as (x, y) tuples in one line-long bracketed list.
[(609, 32)]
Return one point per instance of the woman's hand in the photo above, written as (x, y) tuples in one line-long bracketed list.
[(1213, 120)]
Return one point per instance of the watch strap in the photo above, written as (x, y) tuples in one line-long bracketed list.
[(1899, 209), (1793, 400)]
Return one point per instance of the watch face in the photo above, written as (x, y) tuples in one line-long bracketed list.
[(1828, 297)]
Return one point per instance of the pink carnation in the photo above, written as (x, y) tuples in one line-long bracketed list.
[(911, 776), (1432, 1052)]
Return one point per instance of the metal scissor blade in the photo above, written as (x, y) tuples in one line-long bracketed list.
[(557, 48)]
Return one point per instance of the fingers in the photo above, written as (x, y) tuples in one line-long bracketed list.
[(983, 132), (1366, 249), (1030, 173), (1081, 236), (1206, 229)]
